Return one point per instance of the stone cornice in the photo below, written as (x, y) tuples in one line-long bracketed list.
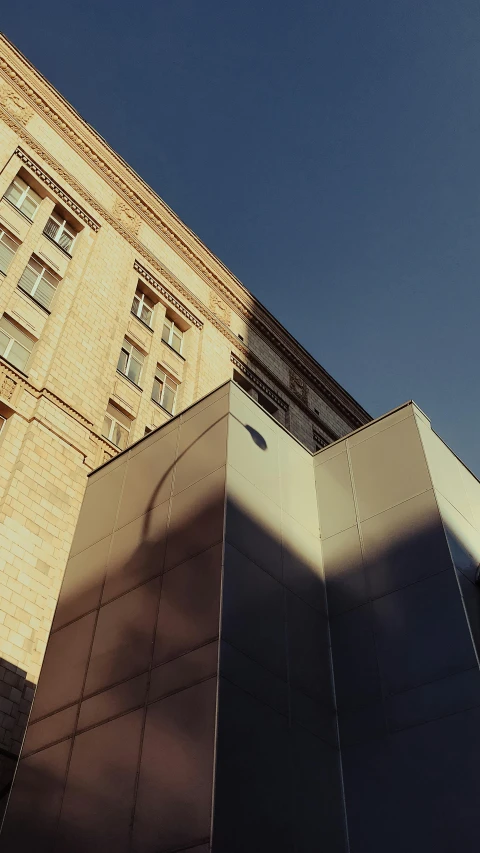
[(259, 383), (52, 185), (297, 401), (57, 401), (320, 439), (9, 371), (142, 250), (11, 380), (44, 99), (157, 285)]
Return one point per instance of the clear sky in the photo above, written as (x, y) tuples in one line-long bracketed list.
[(326, 150)]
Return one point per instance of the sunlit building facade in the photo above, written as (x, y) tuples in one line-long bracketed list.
[(114, 317)]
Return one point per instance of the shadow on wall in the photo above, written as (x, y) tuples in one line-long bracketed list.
[(16, 694), (407, 684), (194, 606), (119, 752)]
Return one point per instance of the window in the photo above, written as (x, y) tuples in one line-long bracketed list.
[(8, 247), (60, 232), (116, 426), (15, 345), (38, 282), (320, 442), (143, 307), (172, 335), (130, 362), (264, 401), (148, 430), (164, 390), (23, 197)]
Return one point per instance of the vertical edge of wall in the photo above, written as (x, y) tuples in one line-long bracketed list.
[(277, 773)]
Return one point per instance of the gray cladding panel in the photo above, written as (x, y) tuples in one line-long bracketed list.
[(200, 603)]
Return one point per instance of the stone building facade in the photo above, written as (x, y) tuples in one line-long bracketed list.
[(113, 315)]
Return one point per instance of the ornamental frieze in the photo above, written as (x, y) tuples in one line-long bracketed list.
[(220, 308), (15, 104), (298, 386), (124, 213), (7, 386)]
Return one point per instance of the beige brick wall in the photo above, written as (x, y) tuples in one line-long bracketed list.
[(52, 437)]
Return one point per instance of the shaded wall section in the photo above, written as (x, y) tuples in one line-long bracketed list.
[(186, 699), (458, 496), (406, 671), (119, 751), (278, 782), (256, 648)]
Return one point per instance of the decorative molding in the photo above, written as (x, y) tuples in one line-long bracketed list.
[(7, 385), (10, 380), (160, 219), (320, 439), (136, 244), (259, 383), (298, 386), (18, 379), (45, 392), (107, 448), (295, 400), (124, 213), (158, 286), (54, 187), (15, 105), (219, 307), (65, 439)]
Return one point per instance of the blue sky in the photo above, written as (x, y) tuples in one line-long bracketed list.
[(326, 151)]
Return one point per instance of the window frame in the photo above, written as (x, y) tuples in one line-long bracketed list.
[(115, 422), (3, 234), (14, 340), (260, 397), (141, 296), (24, 194), (320, 442), (165, 385), (38, 280), (172, 326), (64, 227), (129, 354)]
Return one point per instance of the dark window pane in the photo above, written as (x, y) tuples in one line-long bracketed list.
[(134, 370), (51, 228), (122, 361), (157, 390), (177, 341), (168, 399)]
